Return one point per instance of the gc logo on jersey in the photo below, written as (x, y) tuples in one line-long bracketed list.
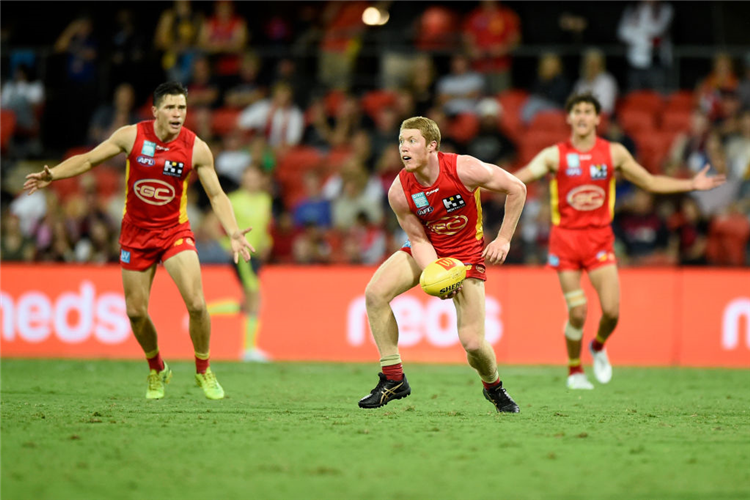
[(598, 171), (173, 168), (453, 203)]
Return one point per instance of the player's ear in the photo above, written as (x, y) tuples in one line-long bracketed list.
[(153, 111)]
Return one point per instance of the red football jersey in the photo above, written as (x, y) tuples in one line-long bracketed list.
[(156, 178), (582, 193), (450, 213)]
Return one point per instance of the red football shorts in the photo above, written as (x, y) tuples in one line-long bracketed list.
[(473, 270), (574, 249), (141, 248)]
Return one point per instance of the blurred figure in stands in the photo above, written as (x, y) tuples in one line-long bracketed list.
[(460, 90), (313, 208), (177, 36), (224, 35), (490, 145), (491, 32), (109, 117), (642, 231), (550, 89), (645, 29), (595, 79), (277, 119), (339, 46), (14, 245), (24, 95), (743, 89), (203, 87), (246, 88), (728, 237), (690, 230)]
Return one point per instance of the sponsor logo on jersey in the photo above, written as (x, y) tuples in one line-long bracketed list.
[(154, 192), (407, 244), (453, 203), (448, 225), (432, 192), (173, 168), (145, 160), (573, 160), (149, 148), (553, 260), (425, 210), (161, 148), (420, 200), (598, 171), (125, 256), (587, 197), (570, 172)]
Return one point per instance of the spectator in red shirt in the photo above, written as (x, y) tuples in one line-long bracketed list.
[(491, 32), (224, 34), (340, 43)]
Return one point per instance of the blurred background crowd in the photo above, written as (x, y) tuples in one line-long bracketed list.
[(301, 103)]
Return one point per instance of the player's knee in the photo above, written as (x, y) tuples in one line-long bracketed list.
[(196, 306), (611, 313), (137, 313), (472, 343), (375, 295), (577, 316)]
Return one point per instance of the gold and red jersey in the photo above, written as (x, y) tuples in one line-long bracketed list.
[(582, 192), (450, 213), (156, 179)]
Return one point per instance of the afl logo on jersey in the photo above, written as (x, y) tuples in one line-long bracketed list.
[(154, 192), (143, 160), (586, 198), (448, 225)]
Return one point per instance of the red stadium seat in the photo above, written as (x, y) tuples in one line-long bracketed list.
[(463, 127), (373, 101), (637, 120), (7, 127), (676, 120), (224, 120), (512, 100), (549, 121), (653, 148), (681, 100), (299, 159), (531, 144), (643, 99), (333, 100), (108, 180)]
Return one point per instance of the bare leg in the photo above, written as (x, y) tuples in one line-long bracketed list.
[(137, 288), (470, 315), (184, 268), (570, 283), (395, 276), (606, 282)]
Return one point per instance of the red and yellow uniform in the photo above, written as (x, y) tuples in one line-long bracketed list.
[(155, 225), (451, 215), (582, 202)]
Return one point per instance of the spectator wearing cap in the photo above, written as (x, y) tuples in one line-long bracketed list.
[(490, 144)]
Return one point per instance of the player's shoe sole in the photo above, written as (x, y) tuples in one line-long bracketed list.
[(499, 397), (602, 367), (156, 382), (211, 387), (385, 391), (579, 381)]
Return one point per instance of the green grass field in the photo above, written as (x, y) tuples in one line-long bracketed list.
[(75, 429)]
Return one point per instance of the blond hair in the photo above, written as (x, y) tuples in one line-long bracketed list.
[(429, 128)]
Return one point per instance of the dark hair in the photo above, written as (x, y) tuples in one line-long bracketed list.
[(168, 88), (583, 97)]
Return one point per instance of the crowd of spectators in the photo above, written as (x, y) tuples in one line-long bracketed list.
[(327, 150)]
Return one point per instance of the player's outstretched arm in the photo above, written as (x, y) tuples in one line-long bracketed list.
[(544, 162), (477, 174), (203, 162), (421, 248), (641, 177), (120, 141)]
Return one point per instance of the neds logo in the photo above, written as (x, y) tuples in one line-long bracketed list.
[(153, 191), (74, 316)]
